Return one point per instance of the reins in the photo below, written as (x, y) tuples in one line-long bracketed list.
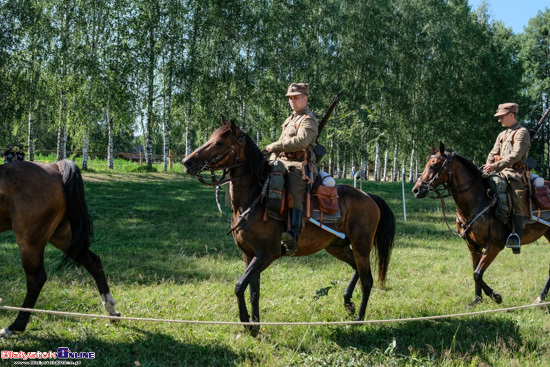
[(216, 164), (450, 191)]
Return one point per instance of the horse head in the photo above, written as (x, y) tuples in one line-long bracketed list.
[(436, 173), (222, 151)]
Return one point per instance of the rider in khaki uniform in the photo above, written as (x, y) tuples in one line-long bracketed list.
[(293, 147), (507, 158)]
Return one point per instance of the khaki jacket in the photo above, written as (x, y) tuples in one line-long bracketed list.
[(512, 145), (293, 139)]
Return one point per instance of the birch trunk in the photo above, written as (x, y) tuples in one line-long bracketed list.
[(85, 150), (338, 170), (30, 136), (386, 165), (61, 139), (187, 132), (377, 162), (110, 148), (330, 157), (411, 166), (395, 168)]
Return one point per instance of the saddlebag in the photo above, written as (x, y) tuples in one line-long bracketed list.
[(327, 198), (542, 196)]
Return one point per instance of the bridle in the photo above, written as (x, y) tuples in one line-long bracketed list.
[(223, 162), (450, 190), (446, 185), (447, 189)]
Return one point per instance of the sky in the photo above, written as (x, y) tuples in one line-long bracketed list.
[(514, 14)]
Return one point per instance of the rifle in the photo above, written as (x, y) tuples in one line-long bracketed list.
[(323, 122), (320, 150), (533, 132), (531, 162)]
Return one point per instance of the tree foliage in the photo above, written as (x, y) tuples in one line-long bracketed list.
[(413, 72)]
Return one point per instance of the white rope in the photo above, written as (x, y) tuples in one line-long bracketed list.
[(315, 323)]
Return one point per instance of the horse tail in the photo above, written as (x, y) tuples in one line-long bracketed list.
[(76, 211), (385, 234)]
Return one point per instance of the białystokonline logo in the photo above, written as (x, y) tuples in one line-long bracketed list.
[(62, 353), (65, 353)]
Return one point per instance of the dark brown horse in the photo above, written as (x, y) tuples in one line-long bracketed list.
[(367, 221), (476, 223), (44, 203)]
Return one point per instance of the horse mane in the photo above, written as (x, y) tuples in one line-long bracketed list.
[(256, 160), (468, 164)]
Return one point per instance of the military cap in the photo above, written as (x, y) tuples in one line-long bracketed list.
[(295, 89), (505, 108)]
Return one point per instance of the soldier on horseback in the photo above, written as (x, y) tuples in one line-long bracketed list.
[(295, 146), (507, 158)]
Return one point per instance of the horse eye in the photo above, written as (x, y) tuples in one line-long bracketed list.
[(219, 144)]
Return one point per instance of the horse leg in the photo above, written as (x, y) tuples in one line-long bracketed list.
[(544, 292), (476, 257), (251, 276), (33, 264), (361, 253), (92, 263), (344, 253), (486, 259)]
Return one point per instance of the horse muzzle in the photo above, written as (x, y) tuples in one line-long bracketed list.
[(420, 190), (191, 166)]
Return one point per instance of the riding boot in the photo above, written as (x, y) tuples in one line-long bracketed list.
[(290, 237), (514, 239)]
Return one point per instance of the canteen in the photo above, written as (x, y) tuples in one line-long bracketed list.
[(326, 180), (536, 181)]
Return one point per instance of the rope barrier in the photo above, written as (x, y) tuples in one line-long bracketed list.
[(314, 323)]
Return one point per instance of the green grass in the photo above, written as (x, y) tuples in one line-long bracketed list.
[(119, 165), (166, 255)]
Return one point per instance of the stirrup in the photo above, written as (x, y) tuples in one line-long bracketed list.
[(514, 242)]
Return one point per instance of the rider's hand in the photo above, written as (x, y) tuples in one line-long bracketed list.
[(488, 168)]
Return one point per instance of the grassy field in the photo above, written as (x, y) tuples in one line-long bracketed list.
[(164, 249)]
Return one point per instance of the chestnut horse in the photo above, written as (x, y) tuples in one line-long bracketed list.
[(485, 236), (45, 203), (367, 221)]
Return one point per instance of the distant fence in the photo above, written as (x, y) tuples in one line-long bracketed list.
[(120, 157)]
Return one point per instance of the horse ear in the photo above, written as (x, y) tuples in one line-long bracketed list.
[(224, 120), (441, 148), (232, 127), (432, 149)]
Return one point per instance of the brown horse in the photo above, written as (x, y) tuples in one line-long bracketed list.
[(45, 203), (367, 221), (476, 223)]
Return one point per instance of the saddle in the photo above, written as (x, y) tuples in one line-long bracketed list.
[(323, 201), (538, 201)]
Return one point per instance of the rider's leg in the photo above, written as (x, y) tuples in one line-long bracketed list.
[(518, 193), (296, 188)]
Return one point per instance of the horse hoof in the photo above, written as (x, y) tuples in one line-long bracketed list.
[(477, 300), (497, 298), (350, 308), (5, 333), (115, 321), (253, 330)]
